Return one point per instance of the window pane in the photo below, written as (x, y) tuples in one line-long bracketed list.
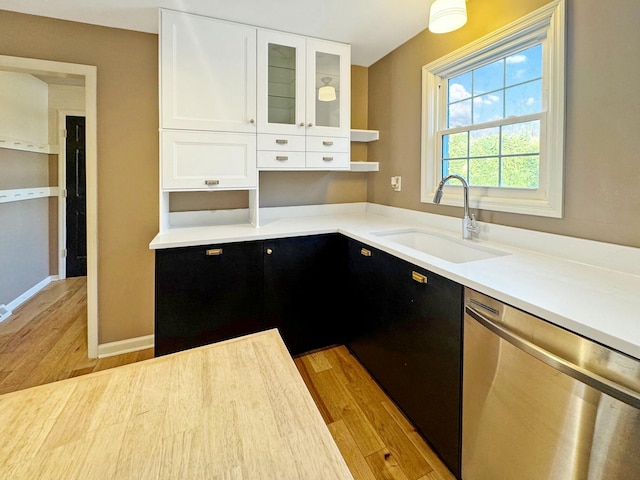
[(521, 172), (458, 167), (521, 138), (488, 78), (523, 99), (459, 87), (485, 142), (459, 114), (455, 145), (524, 66), (484, 172), (488, 107)]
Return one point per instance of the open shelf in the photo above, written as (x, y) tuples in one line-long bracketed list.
[(364, 166), (20, 194), (26, 145), (364, 135)]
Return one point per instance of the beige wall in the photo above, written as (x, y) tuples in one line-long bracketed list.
[(127, 65), (602, 161)]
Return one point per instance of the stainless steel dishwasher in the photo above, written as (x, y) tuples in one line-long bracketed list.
[(542, 403)]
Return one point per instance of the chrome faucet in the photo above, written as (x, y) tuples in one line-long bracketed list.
[(469, 225)]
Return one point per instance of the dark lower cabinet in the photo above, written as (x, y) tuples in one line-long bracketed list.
[(205, 294), (408, 334), (212, 293), (304, 288)]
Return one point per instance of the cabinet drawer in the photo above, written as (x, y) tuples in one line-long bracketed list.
[(208, 161), (281, 160), (328, 144), (328, 161), (281, 143)]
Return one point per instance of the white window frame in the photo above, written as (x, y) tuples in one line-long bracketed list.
[(544, 26)]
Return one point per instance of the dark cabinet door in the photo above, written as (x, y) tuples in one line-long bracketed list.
[(408, 335), (304, 287), (205, 294)]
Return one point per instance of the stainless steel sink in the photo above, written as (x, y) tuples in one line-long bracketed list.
[(439, 245)]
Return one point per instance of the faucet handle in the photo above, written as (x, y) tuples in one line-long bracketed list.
[(472, 226)]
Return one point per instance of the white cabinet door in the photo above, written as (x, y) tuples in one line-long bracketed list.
[(207, 73), (328, 99), (281, 83), (208, 161)]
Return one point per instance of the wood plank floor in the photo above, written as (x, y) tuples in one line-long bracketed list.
[(45, 340)]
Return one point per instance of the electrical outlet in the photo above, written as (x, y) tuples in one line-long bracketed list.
[(396, 183)]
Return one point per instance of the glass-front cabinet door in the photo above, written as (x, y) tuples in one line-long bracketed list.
[(328, 83), (281, 83)]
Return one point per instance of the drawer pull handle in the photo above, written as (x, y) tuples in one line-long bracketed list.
[(214, 251), (327, 143), (282, 158), (212, 182), (364, 252), (281, 141), (418, 277), (327, 159)]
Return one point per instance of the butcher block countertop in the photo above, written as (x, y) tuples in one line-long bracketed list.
[(232, 410)]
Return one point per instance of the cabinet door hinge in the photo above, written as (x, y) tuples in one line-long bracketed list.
[(64, 133), (64, 253)]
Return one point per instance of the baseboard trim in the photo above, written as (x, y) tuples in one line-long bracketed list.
[(125, 346), (6, 310)]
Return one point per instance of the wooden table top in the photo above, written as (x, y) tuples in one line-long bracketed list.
[(232, 410)]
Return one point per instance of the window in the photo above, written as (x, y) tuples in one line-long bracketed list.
[(493, 113)]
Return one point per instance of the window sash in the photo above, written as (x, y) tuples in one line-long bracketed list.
[(546, 26)]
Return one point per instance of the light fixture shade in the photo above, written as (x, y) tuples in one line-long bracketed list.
[(447, 15), (326, 93)]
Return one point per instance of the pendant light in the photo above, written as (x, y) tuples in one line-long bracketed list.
[(447, 15), (326, 93)]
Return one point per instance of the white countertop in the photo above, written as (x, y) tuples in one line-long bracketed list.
[(591, 288)]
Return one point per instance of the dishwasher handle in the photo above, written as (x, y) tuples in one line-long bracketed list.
[(604, 385)]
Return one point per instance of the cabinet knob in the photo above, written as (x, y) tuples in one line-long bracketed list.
[(301, 124), (310, 125), (269, 251), (252, 121)]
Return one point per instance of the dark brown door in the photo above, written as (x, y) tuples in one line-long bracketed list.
[(76, 197)]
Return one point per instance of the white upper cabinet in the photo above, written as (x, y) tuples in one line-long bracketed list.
[(328, 102), (303, 85), (303, 91), (281, 83), (207, 74)]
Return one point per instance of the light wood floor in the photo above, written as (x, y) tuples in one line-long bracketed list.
[(45, 339)]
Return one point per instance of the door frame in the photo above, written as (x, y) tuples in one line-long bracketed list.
[(62, 180), (88, 74)]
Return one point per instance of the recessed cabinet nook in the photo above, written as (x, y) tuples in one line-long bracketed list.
[(236, 99)]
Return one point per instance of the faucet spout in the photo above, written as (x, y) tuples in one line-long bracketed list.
[(469, 226)]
